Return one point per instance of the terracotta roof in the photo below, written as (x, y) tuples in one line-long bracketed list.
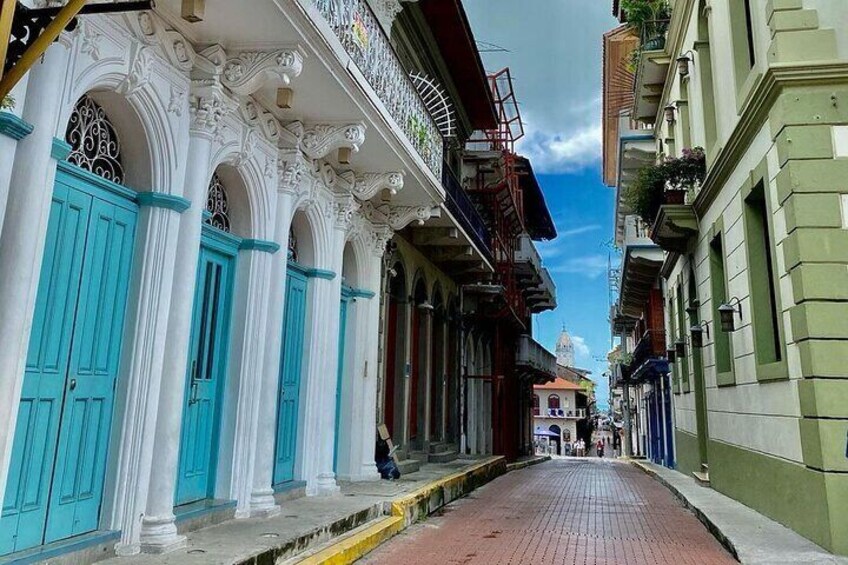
[(558, 384)]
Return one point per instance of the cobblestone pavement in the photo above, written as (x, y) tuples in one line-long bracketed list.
[(565, 511)]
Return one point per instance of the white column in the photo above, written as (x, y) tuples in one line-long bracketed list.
[(247, 355), (262, 501), (158, 531), (141, 371), (427, 351), (371, 312), (22, 241)]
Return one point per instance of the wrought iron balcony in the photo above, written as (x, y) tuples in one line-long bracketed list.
[(463, 208), (364, 40)]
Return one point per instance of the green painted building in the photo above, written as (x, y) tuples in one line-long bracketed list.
[(760, 409)]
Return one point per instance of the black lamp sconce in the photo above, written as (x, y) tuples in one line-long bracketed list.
[(727, 312), (698, 332), (683, 63)]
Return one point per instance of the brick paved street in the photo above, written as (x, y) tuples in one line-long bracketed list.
[(560, 512)]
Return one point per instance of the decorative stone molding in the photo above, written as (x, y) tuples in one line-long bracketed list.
[(343, 209), (141, 63), (208, 105), (247, 72), (380, 236), (398, 217), (369, 185), (292, 169), (319, 140)]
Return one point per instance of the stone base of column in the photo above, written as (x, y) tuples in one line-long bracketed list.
[(159, 535), (263, 504), (325, 485)]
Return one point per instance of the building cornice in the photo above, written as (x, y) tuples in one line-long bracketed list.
[(755, 114)]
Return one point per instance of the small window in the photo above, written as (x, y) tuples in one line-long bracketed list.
[(535, 404), (749, 34), (766, 315), (553, 402), (718, 282)]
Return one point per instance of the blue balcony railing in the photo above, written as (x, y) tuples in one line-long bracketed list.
[(461, 206)]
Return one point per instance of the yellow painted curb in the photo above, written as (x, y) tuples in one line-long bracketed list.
[(357, 545), (350, 549)]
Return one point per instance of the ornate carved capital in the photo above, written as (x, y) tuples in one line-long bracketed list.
[(320, 140), (248, 71), (208, 105), (398, 217), (379, 237), (292, 170), (343, 209), (369, 185)]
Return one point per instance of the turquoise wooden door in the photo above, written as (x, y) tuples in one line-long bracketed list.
[(291, 357), (206, 369), (57, 469), (345, 302)]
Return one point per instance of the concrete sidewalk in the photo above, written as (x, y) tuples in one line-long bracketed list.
[(307, 525), (749, 536)]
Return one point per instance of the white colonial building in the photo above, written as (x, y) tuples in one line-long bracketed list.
[(193, 213)]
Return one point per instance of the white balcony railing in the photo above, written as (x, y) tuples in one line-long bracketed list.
[(364, 40), (565, 413)]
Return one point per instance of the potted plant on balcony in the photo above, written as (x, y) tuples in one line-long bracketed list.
[(666, 182), (650, 20)]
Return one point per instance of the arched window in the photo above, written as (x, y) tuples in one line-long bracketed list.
[(553, 402), (94, 141), (217, 205), (535, 404)]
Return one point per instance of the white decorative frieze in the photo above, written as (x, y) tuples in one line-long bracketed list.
[(292, 170), (368, 185), (320, 140), (141, 63), (247, 72)]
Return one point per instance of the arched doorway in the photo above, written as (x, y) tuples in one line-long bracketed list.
[(558, 439), (350, 281), (418, 379), (301, 256), (393, 390), (209, 338), (58, 463), (437, 368)]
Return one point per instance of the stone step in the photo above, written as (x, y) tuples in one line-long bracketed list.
[(407, 466), (442, 446), (443, 456), (419, 456)]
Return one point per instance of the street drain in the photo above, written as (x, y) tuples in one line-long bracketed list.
[(350, 494), (195, 551), (290, 516), (269, 535)]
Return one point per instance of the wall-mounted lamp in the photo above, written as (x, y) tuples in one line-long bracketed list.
[(697, 332), (671, 355), (670, 111), (728, 312), (683, 63), (680, 348)]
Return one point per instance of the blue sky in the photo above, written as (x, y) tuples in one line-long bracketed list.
[(554, 51)]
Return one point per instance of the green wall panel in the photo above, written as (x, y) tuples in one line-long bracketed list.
[(688, 460), (753, 479)]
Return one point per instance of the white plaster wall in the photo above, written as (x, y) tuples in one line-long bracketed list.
[(833, 15)]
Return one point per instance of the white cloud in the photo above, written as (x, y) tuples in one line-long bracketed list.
[(557, 152), (578, 231), (580, 348), (591, 266)]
